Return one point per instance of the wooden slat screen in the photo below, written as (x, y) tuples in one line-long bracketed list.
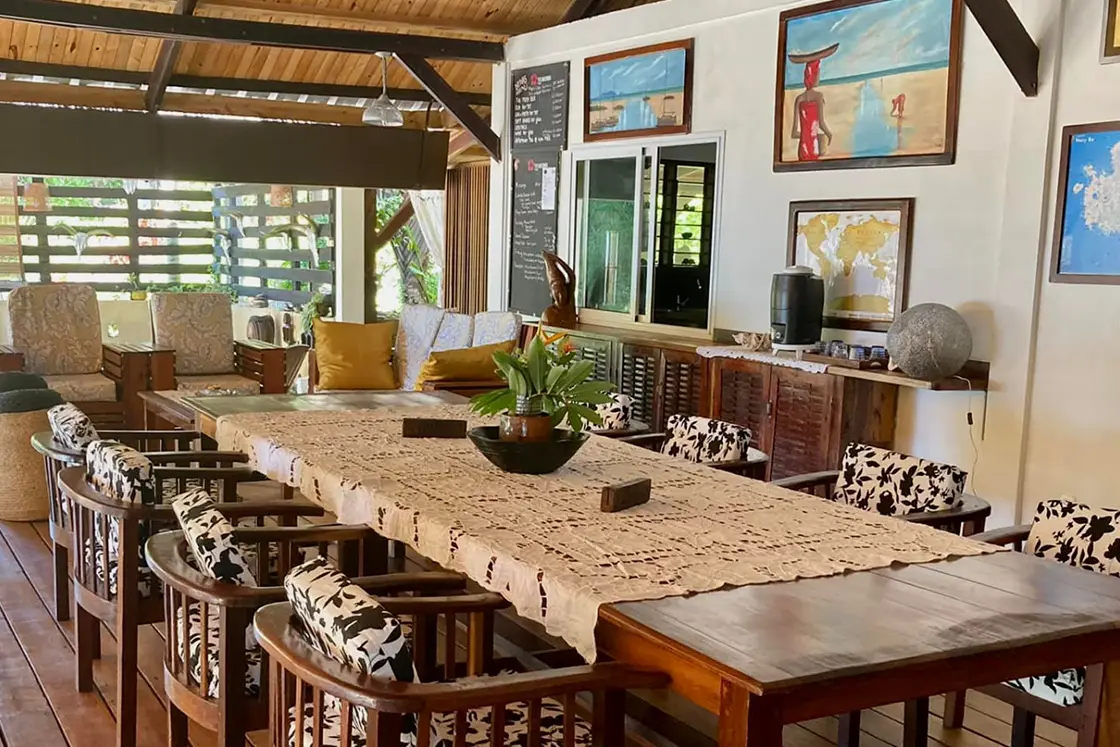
[(11, 256), (279, 268), (467, 238)]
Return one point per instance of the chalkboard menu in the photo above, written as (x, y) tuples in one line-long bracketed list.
[(540, 106), (536, 179)]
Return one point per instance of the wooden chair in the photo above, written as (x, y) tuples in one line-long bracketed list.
[(56, 333), (326, 702), (686, 439), (117, 589), (57, 457), (194, 348), (234, 700), (1072, 698)]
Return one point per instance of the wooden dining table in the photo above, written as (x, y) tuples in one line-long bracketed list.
[(770, 654)]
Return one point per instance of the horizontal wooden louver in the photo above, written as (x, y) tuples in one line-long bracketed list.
[(638, 379), (682, 383), (11, 253), (742, 400)]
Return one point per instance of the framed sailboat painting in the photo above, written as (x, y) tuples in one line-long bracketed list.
[(868, 84), (638, 92)]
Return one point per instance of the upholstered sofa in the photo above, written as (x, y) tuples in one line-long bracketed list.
[(426, 329)]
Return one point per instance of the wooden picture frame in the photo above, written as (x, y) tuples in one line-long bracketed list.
[(905, 208), (684, 126), (1057, 249), (1110, 32), (783, 129)]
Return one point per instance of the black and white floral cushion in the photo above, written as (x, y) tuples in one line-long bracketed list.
[(194, 647), (894, 484), (121, 472), (210, 539), (702, 440), (1083, 537), (146, 581), (616, 414), (443, 726), (71, 427)]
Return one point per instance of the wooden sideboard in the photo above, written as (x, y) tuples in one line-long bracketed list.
[(802, 420)]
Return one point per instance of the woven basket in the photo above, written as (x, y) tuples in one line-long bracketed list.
[(23, 484)]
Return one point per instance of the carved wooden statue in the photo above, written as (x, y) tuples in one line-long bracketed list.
[(562, 285)]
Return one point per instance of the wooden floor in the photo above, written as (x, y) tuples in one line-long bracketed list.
[(39, 706)]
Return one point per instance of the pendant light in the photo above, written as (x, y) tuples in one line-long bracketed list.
[(382, 111)]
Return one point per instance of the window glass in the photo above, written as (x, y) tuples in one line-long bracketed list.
[(605, 216)]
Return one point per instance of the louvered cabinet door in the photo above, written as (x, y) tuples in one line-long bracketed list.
[(638, 379), (680, 386), (801, 419), (600, 351), (740, 393)]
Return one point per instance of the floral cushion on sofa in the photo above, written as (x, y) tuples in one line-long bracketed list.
[(702, 440), (492, 327), (616, 414), (71, 427), (416, 334), (57, 327), (455, 332), (198, 327), (894, 484), (210, 539)]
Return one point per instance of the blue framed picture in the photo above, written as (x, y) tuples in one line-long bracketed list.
[(638, 92), (1087, 223)]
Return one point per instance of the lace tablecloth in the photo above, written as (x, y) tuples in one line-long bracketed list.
[(542, 542), (740, 352)]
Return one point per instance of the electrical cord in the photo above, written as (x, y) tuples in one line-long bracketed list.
[(971, 434)]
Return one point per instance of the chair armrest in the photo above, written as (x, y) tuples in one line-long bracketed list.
[(810, 480), (10, 359), (213, 474), (447, 605), (970, 508), (1004, 535), (178, 435), (651, 441), (262, 362), (309, 534), (254, 509), (432, 582), (199, 458)]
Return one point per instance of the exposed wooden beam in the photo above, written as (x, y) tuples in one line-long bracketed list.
[(1011, 39), (580, 9), (190, 103), (393, 225), (195, 28), (134, 77), (169, 50), (442, 92)]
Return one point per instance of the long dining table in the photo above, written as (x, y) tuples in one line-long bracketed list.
[(860, 611)]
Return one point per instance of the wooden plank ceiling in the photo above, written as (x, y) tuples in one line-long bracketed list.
[(490, 20)]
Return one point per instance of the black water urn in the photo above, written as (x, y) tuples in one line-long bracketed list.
[(796, 309)]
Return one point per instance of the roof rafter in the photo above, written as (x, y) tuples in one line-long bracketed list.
[(196, 28), (580, 9), (442, 92), (169, 50)]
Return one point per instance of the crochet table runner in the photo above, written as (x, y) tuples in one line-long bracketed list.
[(542, 542)]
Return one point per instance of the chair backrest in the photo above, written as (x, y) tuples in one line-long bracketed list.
[(701, 440), (57, 327), (492, 327), (456, 331), (617, 414), (894, 484), (416, 334), (1076, 534), (210, 539), (198, 327), (71, 427)]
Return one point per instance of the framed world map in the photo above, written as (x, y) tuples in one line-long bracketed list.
[(860, 249), (1087, 224)]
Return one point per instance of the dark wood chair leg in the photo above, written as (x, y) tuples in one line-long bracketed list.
[(1091, 706), (61, 583), (953, 718), (848, 734), (608, 719), (915, 729), (87, 626), (1022, 728), (128, 603), (177, 727)]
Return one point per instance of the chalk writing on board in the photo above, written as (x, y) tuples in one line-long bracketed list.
[(540, 106), (533, 229)]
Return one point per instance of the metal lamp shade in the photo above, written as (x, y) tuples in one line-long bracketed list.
[(383, 112)]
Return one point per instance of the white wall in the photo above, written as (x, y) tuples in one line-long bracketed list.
[(977, 224)]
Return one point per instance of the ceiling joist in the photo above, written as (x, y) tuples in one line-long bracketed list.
[(169, 51), (580, 9), (196, 28), (456, 106)]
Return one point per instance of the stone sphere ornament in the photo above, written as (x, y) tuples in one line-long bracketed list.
[(929, 341)]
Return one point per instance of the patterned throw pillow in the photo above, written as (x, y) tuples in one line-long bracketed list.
[(702, 440), (120, 472), (617, 414), (210, 538), (893, 484), (71, 427), (1078, 535)]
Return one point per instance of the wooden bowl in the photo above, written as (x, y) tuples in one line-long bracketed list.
[(527, 458)]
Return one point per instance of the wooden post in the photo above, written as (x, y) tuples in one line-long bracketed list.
[(370, 246)]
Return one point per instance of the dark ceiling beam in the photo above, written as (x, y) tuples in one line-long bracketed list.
[(580, 9), (131, 77), (196, 28), (453, 102), (169, 50), (1011, 39)]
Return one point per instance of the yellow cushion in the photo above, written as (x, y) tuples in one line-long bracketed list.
[(464, 364), (355, 356)]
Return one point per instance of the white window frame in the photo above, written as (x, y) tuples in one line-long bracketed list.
[(640, 149)]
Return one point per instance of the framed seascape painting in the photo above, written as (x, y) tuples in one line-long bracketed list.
[(860, 249), (638, 92), (868, 83), (1087, 220), (1110, 43)]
